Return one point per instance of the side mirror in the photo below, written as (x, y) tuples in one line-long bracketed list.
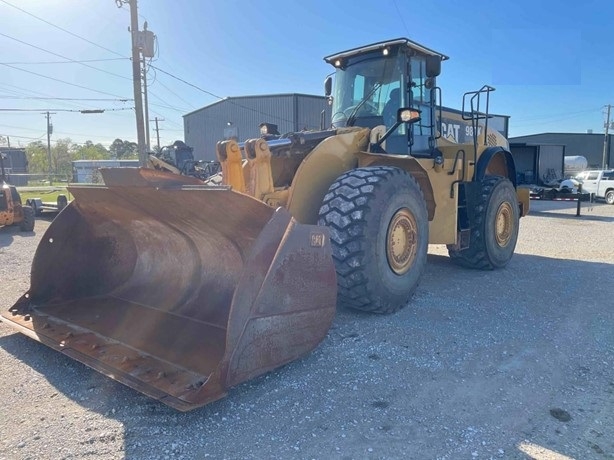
[(433, 66), (408, 115), (328, 86)]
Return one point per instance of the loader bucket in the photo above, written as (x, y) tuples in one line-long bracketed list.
[(178, 291)]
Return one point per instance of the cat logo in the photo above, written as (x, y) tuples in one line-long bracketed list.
[(450, 131)]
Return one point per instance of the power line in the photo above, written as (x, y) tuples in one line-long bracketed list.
[(66, 62), (401, 16), (170, 107), (63, 57), (28, 92), (62, 81), (64, 98), (20, 127), (556, 116), (28, 137), (172, 92), (545, 121), (60, 132), (63, 30), (222, 98), (68, 110), (187, 83), (179, 125)]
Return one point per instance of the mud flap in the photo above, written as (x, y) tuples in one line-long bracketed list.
[(178, 291)]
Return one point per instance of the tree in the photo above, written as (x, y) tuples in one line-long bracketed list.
[(91, 151), (123, 150), (61, 157), (36, 153), (63, 153)]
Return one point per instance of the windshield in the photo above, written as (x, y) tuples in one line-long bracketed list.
[(367, 91)]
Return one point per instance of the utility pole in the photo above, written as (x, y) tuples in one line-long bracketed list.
[(136, 79), (606, 138), (49, 132), (146, 105), (156, 119), (147, 142)]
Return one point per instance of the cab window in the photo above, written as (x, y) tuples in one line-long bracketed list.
[(420, 99)]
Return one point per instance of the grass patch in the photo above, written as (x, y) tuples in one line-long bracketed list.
[(46, 195)]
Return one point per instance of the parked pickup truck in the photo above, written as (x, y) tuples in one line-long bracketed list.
[(598, 182)]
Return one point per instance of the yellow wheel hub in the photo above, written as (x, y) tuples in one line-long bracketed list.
[(504, 224), (402, 241)]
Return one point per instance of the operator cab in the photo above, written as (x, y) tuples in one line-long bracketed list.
[(374, 82)]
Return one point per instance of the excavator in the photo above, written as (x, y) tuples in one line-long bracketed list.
[(182, 288), (178, 158)]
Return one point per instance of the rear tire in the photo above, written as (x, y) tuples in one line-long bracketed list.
[(495, 232), (379, 234), (27, 224), (609, 197), (32, 204), (62, 202)]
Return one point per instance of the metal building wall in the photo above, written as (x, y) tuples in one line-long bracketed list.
[(551, 163), (203, 128), (309, 112), (586, 145), (525, 159), (15, 165), (538, 164)]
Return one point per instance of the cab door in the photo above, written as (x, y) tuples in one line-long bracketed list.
[(590, 184)]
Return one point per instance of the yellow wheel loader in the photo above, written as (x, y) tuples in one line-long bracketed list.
[(181, 288), (12, 210)]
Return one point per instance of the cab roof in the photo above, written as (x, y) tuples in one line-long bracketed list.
[(381, 45)]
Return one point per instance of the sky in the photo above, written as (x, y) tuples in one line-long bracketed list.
[(551, 62)]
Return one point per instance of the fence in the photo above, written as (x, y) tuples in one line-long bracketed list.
[(37, 180)]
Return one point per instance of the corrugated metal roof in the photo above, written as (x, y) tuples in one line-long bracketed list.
[(253, 96)]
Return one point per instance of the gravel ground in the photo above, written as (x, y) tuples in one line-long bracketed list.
[(514, 364)]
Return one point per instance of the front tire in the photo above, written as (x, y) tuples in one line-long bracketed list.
[(495, 230), (379, 234), (27, 224), (609, 197)]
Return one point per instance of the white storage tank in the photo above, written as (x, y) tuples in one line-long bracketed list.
[(575, 164)]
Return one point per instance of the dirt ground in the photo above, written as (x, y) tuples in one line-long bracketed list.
[(516, 363)]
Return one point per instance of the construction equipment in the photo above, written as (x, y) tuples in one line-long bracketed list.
[(178, 158), (181, 289), (12, 210)]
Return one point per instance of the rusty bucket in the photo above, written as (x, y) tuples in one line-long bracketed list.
[(177, 289)]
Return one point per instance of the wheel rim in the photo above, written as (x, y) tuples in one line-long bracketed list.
[(504, 224), (401, 241)]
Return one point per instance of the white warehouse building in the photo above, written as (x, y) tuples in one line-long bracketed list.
[(86, 171)]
